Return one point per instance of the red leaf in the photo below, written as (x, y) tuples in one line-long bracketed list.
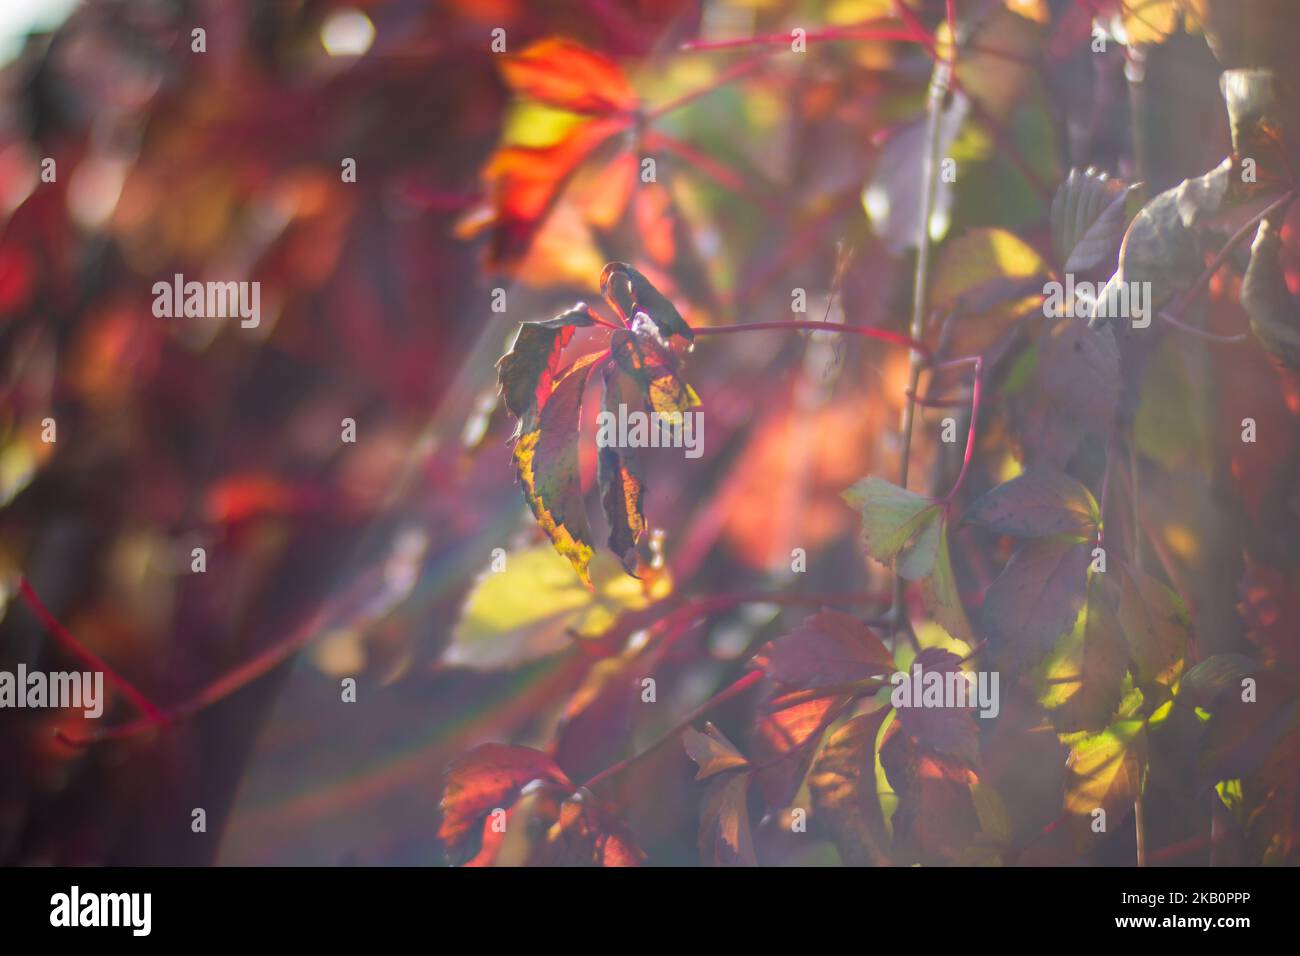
[(563, 73), (827, 649), (947, 729), (488, 777), (546, 456)]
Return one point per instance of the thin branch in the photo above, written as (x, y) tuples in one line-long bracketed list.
[(89, 658), (1184, 301), (734, 690), (939, 82)]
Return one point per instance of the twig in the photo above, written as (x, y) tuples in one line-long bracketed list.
[(87, 657), (939, 82)]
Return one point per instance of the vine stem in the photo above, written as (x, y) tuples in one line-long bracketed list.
[(1182, 303), (977, 364), (733, 690), (152, 713), (860, 32), (884, 335), (939, 82)]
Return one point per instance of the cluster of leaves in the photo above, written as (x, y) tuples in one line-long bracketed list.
[(1084, 620), (641, 360)]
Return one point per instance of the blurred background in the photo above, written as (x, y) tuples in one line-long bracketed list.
[(327, 560)]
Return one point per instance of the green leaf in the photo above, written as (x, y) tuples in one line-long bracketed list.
[(1204, 682), (939, 593), (1105, 770), (978, 258), (1037, 503), (891, 516), (537, 606), (1083, 679)]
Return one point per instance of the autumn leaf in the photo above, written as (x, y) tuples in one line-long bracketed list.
[(1106, 770), (631, 293), (979, 258), (936, 820), (1155, 624), (1037, 503), (487, 778), (564, 74), (550, 827), (546, 457), (1082, 681), (891, 516), (1217, 674), (538, 606), (725, 838), (828, 649), (617, 475), (781, 743), (1088, 219), (523, 184), (842, 783), (712, 751), (1078, 375), (939, 592), (526, 373), (1035, 600), (947, 729)]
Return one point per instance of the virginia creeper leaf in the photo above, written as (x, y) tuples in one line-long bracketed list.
[(980, 257), (725, 838), (712, 751), (621, 488), (1088, 217), (1083, 678), (939, 592), (488, 777), (546, 456), (891, 516), (827, 649), (1155, 624), (842, 783), (631, 293), (565, 74), (1036, 503), (947, 729), (1036, 599), (526, 374)]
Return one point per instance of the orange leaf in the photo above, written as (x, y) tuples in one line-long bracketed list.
[(564, 74)]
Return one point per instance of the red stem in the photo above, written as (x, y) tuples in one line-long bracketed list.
[(729, 75), (87, 656), (817, 36), (734, 690), (1203, 280), (977, 363)]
